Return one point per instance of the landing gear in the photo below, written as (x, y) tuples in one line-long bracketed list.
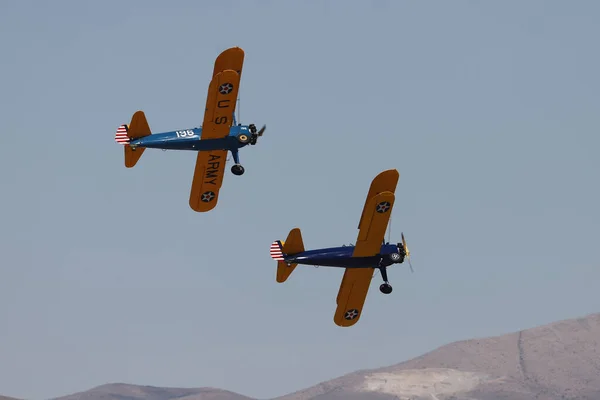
[(237, 169), (385, 287)]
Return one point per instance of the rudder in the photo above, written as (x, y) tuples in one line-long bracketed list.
[(292, 245), (136, 129)]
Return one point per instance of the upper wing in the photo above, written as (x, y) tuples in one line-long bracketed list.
[(220, 104), (232, 58), (222, 93), (374, 220), (374, 224), (384, 181), (207, 180)]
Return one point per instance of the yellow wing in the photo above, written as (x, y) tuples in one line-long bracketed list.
[(374, 224), (352, 294), (220, 104), (232, 58), (222, 94), (207, 180), (374, 220), (384, 181)]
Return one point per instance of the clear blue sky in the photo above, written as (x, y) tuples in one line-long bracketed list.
[(488, 110)]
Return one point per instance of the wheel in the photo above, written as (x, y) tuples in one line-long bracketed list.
[(243, 138), (237, 169), (385, 288)]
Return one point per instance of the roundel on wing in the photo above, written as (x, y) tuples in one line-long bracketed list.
[(225, 88), (351, 314), (207, 196), (382, 207)]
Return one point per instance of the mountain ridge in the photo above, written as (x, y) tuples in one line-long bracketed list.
[(555, 361), (510, 374)]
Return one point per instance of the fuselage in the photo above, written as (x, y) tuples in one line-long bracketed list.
[(342, 257), (191, 139)]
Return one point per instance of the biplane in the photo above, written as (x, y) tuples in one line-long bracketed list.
[(360, 261), (218, 134)]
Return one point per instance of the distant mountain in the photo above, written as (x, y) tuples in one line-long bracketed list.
[(558, 361), (8, 398), (122, 391)]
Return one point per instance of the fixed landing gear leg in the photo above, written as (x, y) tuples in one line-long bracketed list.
[(385, 287), (237, 168)]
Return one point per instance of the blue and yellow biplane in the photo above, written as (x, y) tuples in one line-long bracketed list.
[(218, 134), (360, 260)]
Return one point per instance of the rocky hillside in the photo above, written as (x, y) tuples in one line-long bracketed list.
[(558, 361), (551, 362)]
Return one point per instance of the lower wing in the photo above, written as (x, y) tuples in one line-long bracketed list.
[(207, 180), (352, 294)]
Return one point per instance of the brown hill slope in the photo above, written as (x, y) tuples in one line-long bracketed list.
[(557, 361)]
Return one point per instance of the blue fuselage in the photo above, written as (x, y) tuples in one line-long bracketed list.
[(342, 257), (190, 139)]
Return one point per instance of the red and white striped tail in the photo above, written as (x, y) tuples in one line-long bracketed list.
[(121, 135), (276, 252)]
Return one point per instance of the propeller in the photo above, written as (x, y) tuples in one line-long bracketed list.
[(256, 134), (406, 251), (262, 130)]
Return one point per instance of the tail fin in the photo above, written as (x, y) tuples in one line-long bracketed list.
[(292, 245), (125, 133)]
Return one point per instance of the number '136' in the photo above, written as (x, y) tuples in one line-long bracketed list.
[(186, 133)]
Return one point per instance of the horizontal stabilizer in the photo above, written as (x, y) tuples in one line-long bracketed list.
[(284, 271)]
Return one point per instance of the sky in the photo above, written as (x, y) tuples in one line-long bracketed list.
[(489, 111)]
